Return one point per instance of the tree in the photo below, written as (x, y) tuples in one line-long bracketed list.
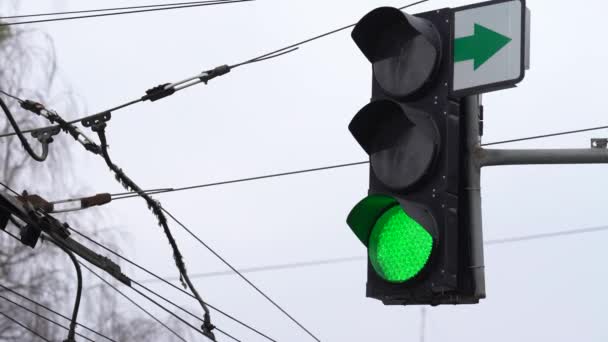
[(45, 273)]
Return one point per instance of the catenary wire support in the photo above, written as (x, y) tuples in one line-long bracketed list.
[(152, 94), (97, 123), (44, 136)]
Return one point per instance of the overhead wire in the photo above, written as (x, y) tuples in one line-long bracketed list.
[(167, 282), (177, 306), (141, 308), (25, 327), (100, 10), (135, 303), (545, 135), (334, 261), (305, 41), (124, 195), (160, 306), (200, 4), (53, 311), (43, 317), (257, 289), (263, 57)]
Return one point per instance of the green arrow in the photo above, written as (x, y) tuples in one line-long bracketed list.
[(479, 47)]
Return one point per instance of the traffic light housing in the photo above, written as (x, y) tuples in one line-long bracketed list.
[(414, 221)]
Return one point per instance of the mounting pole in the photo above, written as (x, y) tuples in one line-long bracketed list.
[(472, 113)]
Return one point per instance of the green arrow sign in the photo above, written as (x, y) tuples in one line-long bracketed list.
[(479, 47)]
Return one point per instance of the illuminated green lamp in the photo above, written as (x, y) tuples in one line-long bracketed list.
[(399, 247)]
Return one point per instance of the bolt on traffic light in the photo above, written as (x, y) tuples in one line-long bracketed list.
[(414, 219)]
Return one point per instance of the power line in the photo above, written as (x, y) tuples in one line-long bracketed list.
[(546, 135), (102, 10), (547, 235), (167, 282), (125, 195), (260, 58), (178, 307), (53, 311), (278, 267), (323, 35), (158, 277), (134, 303), (24, 327), (240, 274), (200, 4), (43, 317), (358, 258)]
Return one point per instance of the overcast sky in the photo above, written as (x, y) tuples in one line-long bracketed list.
[(292, 113)]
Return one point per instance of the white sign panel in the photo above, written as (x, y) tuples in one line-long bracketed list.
[(490, 46)]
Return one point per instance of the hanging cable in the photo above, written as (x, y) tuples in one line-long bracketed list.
[(24, 327), (240, 274), (51, 310), (45, 140), (199, 4), (74, 319), (127, 183)]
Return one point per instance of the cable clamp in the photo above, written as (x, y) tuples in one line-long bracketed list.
[(45, 135), (207, 329), (97, 122), (158, 92), (32, 106), (213, 73)]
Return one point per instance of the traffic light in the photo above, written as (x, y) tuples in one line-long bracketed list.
[(414, 221)]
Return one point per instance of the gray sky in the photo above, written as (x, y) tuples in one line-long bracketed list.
[(292, 113)]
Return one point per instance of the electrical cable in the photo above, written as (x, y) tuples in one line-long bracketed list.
[(74, 320), (239, 274), (319, 36), (53, 311), (200, 4), (178, 307), (546, 135), (135, 303), (118, 196), (26, 145), (156, 209), (162, 91), (24, 327), (10, 189), (359, 258), (43, 317), (277, 267), (154, 302), (101, 10), (155, 275), (167, 282)]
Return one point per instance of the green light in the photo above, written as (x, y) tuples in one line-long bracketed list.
[(399, 247)]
